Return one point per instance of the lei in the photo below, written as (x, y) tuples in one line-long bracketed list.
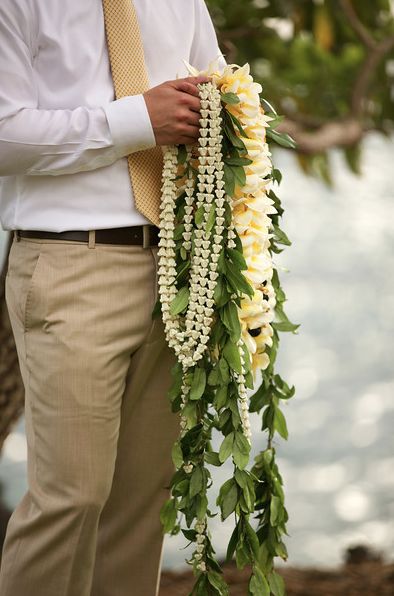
[(222, 308)]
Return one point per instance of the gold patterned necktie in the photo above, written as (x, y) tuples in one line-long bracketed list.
[(126, 55)]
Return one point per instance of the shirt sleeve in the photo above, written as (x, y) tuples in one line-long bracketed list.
[(37, 141), (205, 48)]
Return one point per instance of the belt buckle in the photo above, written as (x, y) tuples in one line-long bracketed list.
[(146, 236)]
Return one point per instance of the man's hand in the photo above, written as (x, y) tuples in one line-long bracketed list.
[(174, 110)]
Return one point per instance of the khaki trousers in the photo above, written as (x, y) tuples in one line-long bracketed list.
[(98, 422)]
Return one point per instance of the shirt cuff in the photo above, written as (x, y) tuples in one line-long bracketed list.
[(130, 125)]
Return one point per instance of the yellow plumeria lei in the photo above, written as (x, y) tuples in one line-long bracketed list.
[(219, 295)]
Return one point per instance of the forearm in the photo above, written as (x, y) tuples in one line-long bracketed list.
[(54, 142)]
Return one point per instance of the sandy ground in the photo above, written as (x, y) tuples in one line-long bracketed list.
[(362, 574)]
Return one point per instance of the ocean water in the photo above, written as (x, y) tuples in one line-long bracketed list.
[(338, 463)]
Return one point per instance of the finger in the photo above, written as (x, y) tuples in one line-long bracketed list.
[(191, 131), (187, 141), (193, 119), (188, 101), (188, 88), (189, 85), (195, 80), (194, 104)]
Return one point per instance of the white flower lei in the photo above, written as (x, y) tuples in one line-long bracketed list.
[(206, 224), (189, 343)]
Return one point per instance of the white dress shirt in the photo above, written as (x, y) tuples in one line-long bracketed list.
[(63, 138)]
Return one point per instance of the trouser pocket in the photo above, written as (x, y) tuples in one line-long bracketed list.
[(24, 266)]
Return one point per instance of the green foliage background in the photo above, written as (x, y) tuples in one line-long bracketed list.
[(320, 63)]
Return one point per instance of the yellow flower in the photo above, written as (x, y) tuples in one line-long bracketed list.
[(260, 361), (250, 342)]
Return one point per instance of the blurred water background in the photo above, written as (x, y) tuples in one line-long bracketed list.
[(338, 464)]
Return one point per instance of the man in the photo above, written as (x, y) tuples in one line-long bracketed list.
[(81, 286)]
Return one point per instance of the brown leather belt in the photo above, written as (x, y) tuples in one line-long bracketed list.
[(145, 236)]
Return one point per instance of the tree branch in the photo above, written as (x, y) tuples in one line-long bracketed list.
[(357, 25), (367, 72), (342, 133), (376, 51), (312, 134)]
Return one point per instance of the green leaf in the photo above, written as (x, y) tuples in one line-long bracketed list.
[(226, 447), (252, 539), (199, 215), (230, 98), (280, 236), (181, 488), (229, 501), (156, 309), (239, 175), (280, 423), (232, 544), (233, 138), (237, 161), (220, 294), (353, 155), (285, 326), (168, 515), (276, 121), (281, 551), (196, 482), (202, 506), (182, 154), (200, 587), (265, 557), (211, 219), (189, 412), (230, 318), (231, 354), (241, 450), (241, 478), (238, 125), (259, 399), (277, 584), (224, 371), (216, 580), (237, 258), (183, 268), (249, 381), (180, 302), (198, 383), (190, 534), (177, 380), (275, 510), (258, 585), (242, 556), (268, 418), (282, 389), (212, 458), (228, 217), (229, 180), (277, 175), (213, 377), (221, 397), (176, 454), (238, 281), (282, 139)]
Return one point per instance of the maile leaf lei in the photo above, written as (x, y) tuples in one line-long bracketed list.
[(222, 308)]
